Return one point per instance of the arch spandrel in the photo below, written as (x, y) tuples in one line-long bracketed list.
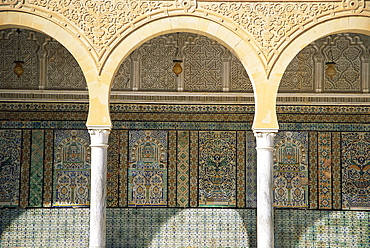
[(98, 94), (348, 24)]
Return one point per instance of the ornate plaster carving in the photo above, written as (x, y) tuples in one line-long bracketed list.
[(269, 25)]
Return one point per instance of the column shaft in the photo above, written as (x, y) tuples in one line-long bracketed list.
[(265, 214), (99, 147)]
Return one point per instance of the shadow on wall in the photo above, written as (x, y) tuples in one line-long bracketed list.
[(320, 228), (44, 227), (172, 227)]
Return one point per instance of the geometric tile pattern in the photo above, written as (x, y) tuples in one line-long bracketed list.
[(313, 170), (48, 169), (336, 127), (251, 171), (324, 158), (147, 168), (36, 173), (194, 167), (112, 169), (282, 110), (172, 169), (175, 227), (183, 169), (217, 169), (337, 182), (328, 162), (240, 191), (123, 167), (313, 228), (44, 227), (327, 153), (356, 170), (25, 168), (291, 170), (71, 168), (10, 163)]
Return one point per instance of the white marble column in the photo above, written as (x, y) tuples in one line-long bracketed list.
[(99, 146), (265, 203)]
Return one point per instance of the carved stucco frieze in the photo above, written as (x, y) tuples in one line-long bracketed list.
[(270, 25)]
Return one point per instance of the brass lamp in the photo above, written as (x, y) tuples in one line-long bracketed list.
[(330, 70), (177, 69), (18, 68)]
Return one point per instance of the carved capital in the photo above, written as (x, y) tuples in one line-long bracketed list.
[(265, 140), (99, 137)]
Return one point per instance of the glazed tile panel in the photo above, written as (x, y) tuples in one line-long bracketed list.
[(324, 229), (182, 228), (217, 169), (291, 170), (356, 170), (147, 173), (47, 227), (10, 163), (71, 168), (37, 167)]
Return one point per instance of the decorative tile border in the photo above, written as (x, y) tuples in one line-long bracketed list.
[(325, 176), (183, 169), (25, 168), (241, 167), (112, 169), (48, 168), (123, 167), (332, 127), (313, 170), (175, 227), (172, 169), (37, 167), (185, 108), (251, 171), (336, 163), (194, 160)]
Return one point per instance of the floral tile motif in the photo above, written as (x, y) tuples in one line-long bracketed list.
[(71, 168), (10, 163), (355, 170), (217, 169), (291, 170), (147, 174)]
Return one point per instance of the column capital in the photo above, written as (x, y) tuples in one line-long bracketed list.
[(99, 135), (265, 130), (265, 138)]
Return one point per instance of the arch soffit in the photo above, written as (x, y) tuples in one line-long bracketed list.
[(14, 19), (348, 24), (234, 41)]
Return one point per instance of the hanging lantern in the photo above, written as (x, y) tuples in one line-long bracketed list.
[(18, 68), (330, 70), (177, 69)]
